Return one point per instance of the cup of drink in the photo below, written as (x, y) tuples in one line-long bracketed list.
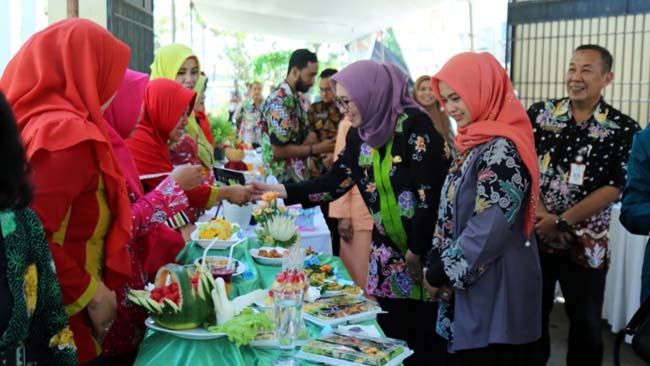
[(226, 274), (287, 310)]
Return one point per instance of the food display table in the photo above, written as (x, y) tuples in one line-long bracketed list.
[(163, 349)]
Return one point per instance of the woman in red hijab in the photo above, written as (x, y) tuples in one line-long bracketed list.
[(149, 213), (58, 84), (167, 106)]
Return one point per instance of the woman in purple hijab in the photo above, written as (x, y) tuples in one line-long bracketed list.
[(396, 158)]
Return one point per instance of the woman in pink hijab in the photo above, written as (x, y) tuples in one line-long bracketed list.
[(149, 213)]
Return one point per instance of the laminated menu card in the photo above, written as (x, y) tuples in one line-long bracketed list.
[(340, 309), (345, 349)]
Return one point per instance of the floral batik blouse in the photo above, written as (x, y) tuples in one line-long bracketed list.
[(502, 181), (598, 147), (36, 330), (415, 168)]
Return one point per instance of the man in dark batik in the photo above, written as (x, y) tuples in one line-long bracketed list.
[(583, 145), (323, 120)]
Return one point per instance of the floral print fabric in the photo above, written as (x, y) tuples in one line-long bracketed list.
[(416, 185), (322, 119), (37, 301), (284, 122), (601, 145), (503, 182), (249, 122)]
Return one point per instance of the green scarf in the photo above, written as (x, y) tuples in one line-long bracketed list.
[(166, 63), (389, 207), (387, 202)]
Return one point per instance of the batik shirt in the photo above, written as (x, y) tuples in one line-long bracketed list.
[(248, 119), (503, 182), (575, 160), (284, 122), (323, 119), (418, 168), (36, 317)]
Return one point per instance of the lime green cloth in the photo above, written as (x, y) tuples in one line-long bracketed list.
[(164, 349), (166, 63)]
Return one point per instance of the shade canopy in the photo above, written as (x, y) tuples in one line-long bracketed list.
[(329, 21)]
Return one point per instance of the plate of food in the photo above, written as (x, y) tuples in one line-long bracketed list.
[(318, 274), (198, 333), (267, 338), (270, 256), (346, 349), (221, 232), (337, 288), (340, 309), (219, 262)]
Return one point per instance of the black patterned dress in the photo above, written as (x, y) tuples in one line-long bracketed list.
[(34, 320)]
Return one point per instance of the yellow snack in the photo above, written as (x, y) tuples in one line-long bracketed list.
[(216, 228)]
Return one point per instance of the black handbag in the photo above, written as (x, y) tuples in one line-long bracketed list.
[(639, 328)]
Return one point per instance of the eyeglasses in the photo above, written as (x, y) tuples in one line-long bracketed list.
[(342, 104), (325, 90)]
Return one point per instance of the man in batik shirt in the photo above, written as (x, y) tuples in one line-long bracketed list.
[(583, 145), (323, 119), (286, 142)]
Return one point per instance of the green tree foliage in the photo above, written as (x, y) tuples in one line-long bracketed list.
[(271, 67)]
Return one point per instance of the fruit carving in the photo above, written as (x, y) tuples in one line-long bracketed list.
[(291, 280), (181, 297)]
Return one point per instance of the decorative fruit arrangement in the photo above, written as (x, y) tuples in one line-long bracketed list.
[(291, 280), (181, 297), (217, 228)]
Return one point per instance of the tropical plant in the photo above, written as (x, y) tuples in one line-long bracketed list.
[(221, 128)]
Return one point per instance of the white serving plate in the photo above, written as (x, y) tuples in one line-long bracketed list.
[(240, 267), (199, 334), (265, 260), (219, 244)]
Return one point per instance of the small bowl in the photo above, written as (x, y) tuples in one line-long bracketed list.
[(234, 155)]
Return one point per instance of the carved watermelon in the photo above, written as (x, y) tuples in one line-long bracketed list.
[(181, 298)]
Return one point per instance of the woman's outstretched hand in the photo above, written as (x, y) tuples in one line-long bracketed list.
[(258, 188)]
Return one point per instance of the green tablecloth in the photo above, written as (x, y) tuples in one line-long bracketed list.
[(162, 349)]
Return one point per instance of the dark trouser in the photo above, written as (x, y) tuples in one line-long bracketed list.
[(230, 114), (333, 226), (583, 290), (494, 355), (414, 322)]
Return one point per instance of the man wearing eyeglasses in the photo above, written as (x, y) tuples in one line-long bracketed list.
[(287, 143), (323, 119)]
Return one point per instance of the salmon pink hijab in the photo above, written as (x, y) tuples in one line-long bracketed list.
[(165, 102), (56, 85), (484, 86)]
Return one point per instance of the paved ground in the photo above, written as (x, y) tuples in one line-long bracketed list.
[(560, 331)]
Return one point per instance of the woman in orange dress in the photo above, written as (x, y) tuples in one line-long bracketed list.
[(58, 84), (354, 223)]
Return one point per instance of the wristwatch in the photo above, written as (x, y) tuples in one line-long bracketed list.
[(561, 223)]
